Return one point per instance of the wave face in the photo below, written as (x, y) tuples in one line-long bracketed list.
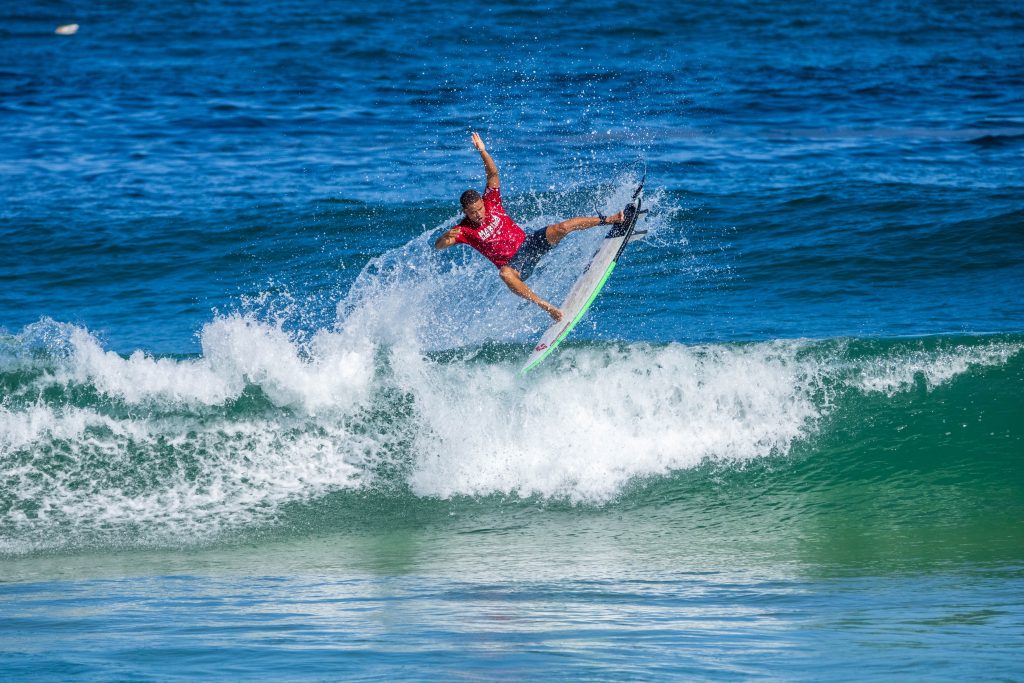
[(262, 432)]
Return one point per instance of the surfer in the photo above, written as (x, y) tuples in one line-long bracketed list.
[(488, 229)]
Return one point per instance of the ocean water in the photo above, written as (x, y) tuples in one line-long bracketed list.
[(253, 426)]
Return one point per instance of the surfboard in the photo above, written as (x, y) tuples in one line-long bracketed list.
[(588, 285)]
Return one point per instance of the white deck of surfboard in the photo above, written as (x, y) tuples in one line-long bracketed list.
[(583, 292)]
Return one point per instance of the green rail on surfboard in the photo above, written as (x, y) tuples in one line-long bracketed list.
[(586, 288)]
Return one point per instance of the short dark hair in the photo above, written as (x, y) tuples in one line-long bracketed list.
[(469, 197)]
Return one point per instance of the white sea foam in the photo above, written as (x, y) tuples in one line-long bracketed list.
[(582, 433), (73, 473), (334, 372), (153, 457), (899, 372)]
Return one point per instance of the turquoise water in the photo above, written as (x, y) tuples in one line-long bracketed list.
[(253, 426)]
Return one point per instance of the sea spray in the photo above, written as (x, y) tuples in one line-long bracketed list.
[(441, 300)]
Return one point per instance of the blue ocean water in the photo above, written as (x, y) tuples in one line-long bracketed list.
[(252, 425)]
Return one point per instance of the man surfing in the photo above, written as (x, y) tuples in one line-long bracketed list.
[(488, 229)]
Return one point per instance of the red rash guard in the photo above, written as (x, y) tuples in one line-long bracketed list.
[(498, 237)]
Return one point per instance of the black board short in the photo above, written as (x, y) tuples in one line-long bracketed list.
[(533, 247)]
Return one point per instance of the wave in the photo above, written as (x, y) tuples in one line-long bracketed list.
[(997, 140), (98, 448)]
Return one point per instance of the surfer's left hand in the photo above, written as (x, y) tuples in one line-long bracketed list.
[(555, 314)]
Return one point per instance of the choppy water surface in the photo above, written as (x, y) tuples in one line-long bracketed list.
[(253, 426)]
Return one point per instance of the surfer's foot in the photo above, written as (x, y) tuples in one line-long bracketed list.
[(616, 218)]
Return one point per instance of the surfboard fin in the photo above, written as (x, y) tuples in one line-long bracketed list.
[(640, 187)]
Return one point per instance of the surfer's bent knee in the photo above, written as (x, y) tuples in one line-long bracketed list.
[(555, 233)]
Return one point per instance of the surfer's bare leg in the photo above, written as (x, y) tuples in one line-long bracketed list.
[(556, 232), (511, 278)]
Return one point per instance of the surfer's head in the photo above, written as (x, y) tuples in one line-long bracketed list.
[(472, 206)]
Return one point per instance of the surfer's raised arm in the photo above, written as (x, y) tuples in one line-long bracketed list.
[(489, 166)]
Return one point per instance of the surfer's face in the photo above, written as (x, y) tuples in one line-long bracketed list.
[(475, 212)]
